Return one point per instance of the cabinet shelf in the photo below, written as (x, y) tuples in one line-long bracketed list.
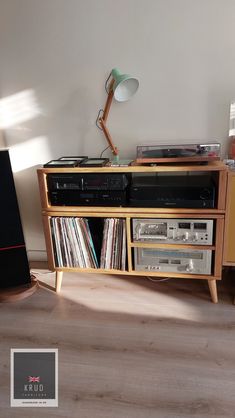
[(136, 273), (173, 246), (91, 270), (137, 168), (145, 212), (173, 275)]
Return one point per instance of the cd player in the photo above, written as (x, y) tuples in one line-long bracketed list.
[(88, 181), (87, 189)]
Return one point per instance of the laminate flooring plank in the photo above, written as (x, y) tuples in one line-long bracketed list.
[(128, 347)]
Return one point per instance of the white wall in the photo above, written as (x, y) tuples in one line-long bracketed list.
[(2, 142), (58, 54)]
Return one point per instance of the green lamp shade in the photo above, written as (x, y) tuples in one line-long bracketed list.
[(124, 86)]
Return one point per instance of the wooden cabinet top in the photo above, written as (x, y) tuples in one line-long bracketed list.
[(211, 166)]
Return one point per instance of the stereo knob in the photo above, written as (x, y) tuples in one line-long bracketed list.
[(190, 266), (205, 194), (195, 237), (186, 236), (179, 238)]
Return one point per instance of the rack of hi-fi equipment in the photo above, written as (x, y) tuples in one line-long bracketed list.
[(172, 219), (124, 189)]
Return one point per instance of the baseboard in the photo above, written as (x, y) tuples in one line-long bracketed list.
[(37, 255), (41, 265)]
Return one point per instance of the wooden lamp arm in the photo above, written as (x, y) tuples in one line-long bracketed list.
[(104, 117), (108, 136), (108, 101)]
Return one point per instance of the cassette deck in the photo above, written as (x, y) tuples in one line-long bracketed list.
[(173, 231)]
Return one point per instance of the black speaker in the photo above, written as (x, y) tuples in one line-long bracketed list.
[(14, 266)]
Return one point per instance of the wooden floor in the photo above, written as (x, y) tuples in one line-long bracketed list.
[(128, 347)]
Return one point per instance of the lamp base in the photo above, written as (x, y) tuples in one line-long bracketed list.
[(120, 163), (115, 159)]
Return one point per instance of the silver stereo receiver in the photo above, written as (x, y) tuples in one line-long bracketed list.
[(172, 261), (180, 231)]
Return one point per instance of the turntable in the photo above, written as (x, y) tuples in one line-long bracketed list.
[(166, 153)]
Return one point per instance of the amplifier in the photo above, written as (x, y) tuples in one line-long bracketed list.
[(176, 261), (196, 191), (88, 198), (87, 181), (172, 231)]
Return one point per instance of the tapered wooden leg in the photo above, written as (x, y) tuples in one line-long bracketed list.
[(213, 290), (58, 281)]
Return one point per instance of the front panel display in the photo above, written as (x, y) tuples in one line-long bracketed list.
[(174, 261)]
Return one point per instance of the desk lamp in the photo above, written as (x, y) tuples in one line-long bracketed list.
[(122, 87)]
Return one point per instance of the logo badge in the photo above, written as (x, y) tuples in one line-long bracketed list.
[(34, 377)]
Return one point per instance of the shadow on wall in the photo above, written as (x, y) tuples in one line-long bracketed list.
[(66, 120), (70, 128), (18, 108), (37, 131)]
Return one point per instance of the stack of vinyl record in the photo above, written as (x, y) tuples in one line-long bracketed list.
[(72, 242), (113, 251)]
